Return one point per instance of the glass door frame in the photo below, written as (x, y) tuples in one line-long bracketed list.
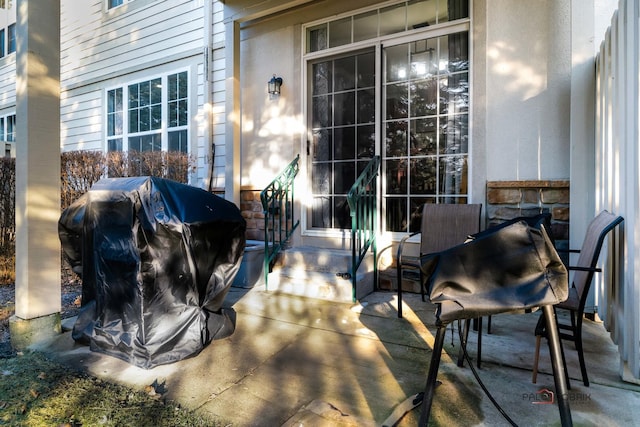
[(378, 44)]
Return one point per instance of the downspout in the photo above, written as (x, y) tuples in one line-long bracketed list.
[(208, 88), (212, 163)]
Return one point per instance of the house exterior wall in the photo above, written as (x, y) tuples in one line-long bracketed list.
[(272, 127), (527, 87), (140, 40), (520, 91)]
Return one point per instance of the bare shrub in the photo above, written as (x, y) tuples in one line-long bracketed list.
[(7, 220), (79, 170)]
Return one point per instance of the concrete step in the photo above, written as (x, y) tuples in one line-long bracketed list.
[(317, 259), (321, 273)]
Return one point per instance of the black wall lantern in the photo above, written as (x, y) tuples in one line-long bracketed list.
[(274, 85)]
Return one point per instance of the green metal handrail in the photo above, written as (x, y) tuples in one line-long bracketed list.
[(362, 199), (277, 205)]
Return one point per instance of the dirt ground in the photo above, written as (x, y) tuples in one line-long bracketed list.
[(71, 293)]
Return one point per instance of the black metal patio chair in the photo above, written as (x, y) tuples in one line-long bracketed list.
[(514, 269), (584, 270), (442, 226)]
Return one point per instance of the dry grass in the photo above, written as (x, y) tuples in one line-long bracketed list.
[(35, 391), (7, 270)]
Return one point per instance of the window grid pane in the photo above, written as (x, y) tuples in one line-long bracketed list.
[(343, 120), (11, 128), (426, 125), (145, 107), (404, 16), (11, 42), (424, 119), (115, 3), (114, 112), (177, 96), (178, 141)]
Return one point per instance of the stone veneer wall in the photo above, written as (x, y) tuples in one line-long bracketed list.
[(505, 200), (251, 209), (510, 199)]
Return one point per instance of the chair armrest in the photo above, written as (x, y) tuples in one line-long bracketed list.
[(571, 251), (576, 268), (401, 246)]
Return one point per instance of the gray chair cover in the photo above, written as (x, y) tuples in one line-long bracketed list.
[(511, 269)]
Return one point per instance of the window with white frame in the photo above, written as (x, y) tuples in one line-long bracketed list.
[(8, 128), (115, 3), (2, 43), (392, 81), (11, 38), (8, 134), (150, 115)]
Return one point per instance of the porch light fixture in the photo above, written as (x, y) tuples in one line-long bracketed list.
[(273, 85)]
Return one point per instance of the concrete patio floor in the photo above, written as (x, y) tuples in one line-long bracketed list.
[(294, 361)]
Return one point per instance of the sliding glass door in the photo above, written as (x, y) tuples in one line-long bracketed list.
[(402, 93)]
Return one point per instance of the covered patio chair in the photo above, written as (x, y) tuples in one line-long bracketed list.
[(542, 219), (584, 270), (514, 269), (442, 226)]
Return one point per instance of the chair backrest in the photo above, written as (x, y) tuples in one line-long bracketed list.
[(538, 221), (447, 225), (590, 252)]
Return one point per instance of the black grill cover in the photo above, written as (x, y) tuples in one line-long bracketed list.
[(156, 259)]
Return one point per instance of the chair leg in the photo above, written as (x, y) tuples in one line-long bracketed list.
[(564, 360), (555, 350), (536, 358), (463, 343), (577, 336), (430, 387), (541, 331), (465, 334), (479, 356), (399, 270)]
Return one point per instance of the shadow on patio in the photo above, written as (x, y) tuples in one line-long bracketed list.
[(297, 361)]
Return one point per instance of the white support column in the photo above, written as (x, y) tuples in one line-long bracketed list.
[(233, 121), (38, 293)]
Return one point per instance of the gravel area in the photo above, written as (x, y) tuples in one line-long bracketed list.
[(71, 296)]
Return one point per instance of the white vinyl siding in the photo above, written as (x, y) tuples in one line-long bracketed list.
[(80, 120), (98, 43), (7, 65), (103, 49), (7, 83)]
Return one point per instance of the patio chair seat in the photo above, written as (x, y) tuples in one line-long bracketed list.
[(573, 300), (584, 270)]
